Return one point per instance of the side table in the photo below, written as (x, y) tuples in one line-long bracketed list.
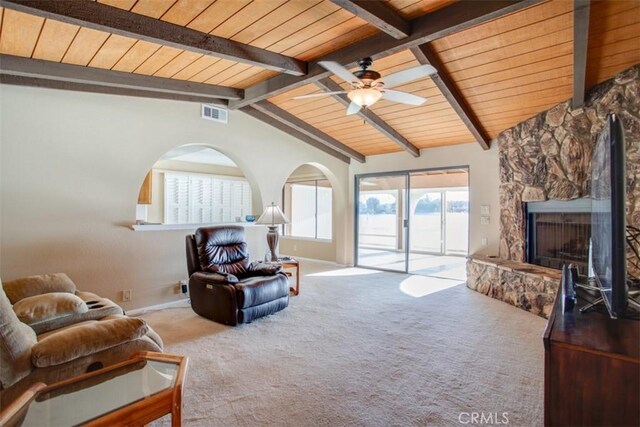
[(292, 263), (135, 392)]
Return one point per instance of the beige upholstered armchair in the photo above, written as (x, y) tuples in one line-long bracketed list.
[(66, 337), (52, 301)]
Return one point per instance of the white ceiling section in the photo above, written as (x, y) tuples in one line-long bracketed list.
[(198, 154)]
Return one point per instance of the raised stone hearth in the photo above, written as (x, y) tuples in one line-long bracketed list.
[(530, 287)]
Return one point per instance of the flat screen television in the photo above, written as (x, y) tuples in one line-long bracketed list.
[(608, 218)]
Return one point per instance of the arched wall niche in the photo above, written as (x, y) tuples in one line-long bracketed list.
[(196, 159)]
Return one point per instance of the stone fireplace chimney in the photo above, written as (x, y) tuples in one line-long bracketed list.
[(548, 157)]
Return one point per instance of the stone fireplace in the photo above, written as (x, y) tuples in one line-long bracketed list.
[(548, 158)]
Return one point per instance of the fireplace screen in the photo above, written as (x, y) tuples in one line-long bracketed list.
[(557, 238)]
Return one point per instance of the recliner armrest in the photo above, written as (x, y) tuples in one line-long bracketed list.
[(257, 268), (85, 339), (45, 307), (217, 278)]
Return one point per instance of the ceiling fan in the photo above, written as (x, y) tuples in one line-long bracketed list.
[(368, 86)]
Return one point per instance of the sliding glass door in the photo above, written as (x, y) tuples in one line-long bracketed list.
[(381, 218), (413, 221), (426, 221), (456, 222)]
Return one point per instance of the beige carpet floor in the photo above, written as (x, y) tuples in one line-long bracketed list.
[(362, 348)]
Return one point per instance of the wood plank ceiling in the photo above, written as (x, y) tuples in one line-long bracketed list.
[(505, 69)]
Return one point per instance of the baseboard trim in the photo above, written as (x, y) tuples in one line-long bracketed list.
[(143, 310)]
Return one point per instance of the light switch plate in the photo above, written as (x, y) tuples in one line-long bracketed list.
[(485, 210), (484, 220), (485, 241)]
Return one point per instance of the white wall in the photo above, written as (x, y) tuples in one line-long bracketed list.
[(71, 168), (483, 185)]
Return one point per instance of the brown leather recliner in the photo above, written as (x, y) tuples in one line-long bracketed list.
[(224, 285)]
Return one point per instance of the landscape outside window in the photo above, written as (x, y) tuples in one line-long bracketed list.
[(378, 218)]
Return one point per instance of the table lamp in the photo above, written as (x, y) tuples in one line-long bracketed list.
[(273, 217)]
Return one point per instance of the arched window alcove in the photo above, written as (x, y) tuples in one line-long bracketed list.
[(308, 202), (195, 184)]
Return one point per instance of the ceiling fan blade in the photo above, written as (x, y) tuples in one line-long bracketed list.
[(316, 95), (405, 76), (353, 109), (403, 97), (339, 71)]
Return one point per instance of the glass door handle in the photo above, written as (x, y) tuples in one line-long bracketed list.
[(405, 223)]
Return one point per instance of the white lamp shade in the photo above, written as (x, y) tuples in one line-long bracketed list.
[(272, 215), (364, 97)]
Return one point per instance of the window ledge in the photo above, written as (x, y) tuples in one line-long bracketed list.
[(169, 227), (307, 239)]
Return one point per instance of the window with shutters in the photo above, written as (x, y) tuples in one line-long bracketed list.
[(199, 198), (309, 206)]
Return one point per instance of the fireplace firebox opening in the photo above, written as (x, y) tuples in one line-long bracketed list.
[(558, 233)]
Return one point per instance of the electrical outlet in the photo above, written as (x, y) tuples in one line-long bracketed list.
[(295, 248), (485, 241), (126, 295), (484, 220)]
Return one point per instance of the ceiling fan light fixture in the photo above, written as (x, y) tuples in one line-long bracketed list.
[(364, 97)]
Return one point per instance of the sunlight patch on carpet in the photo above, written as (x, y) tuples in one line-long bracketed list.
[(421, 286)]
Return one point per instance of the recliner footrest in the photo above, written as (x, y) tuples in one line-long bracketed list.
[(247, 315), (254, 291)]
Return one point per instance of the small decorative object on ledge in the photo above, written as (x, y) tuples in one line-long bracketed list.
[(273, 217), (250, 218)]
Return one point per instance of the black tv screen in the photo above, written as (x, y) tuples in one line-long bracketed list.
[(608, 190)]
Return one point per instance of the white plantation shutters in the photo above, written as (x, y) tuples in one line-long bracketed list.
[(176, 199), (221, 200), (198, 198), (246, 199), (240, 199), (200, 189)]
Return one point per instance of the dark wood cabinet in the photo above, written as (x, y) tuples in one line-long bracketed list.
[(592, 369)]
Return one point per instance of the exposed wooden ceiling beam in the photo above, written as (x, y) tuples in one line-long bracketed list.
[(292, 121), (379, 15), (581, 10), (371, 118), (98, 16), (296, 134), (109, 90), (26, 67), (424, 56), (445, 21)]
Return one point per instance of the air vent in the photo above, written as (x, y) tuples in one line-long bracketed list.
[(216, 114)]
